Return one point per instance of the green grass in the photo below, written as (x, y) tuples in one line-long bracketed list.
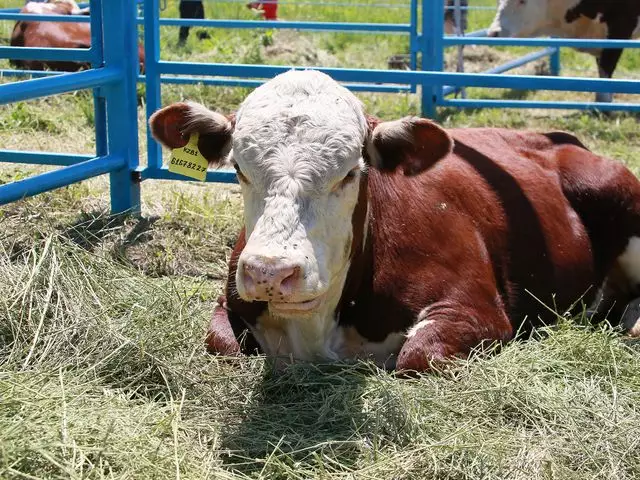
[(104, 375), (103, 372)]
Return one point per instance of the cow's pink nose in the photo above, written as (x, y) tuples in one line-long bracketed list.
[(265, 279)]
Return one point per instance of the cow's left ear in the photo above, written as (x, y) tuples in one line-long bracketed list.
[(173, 125), (412, 143)]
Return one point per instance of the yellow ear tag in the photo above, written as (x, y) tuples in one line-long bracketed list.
[(188, 160)]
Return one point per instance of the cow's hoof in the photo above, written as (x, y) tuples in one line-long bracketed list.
[(220, 337), (631, 318)]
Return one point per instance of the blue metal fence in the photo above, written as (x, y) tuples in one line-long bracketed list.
[(113, 80), (114, 74)]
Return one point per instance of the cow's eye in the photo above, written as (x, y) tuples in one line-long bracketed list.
[(239, 174), (348, 178)]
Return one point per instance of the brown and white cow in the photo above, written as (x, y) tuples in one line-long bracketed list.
[(54, 35), (401, 241), (597, 19)]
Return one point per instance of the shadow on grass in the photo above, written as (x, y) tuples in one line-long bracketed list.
[(91, 229), (312, 414)]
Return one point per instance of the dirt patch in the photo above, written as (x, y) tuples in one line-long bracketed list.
[(293, 48), (479, 58)]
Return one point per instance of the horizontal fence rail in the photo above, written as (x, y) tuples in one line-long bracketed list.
[(540, 42), (523, 82), (31, 17), (59, 54), (68, 82), (283, 24), (59, 178), (42, 158), (558, 105)]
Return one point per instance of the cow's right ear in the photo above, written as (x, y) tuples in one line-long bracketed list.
[(411, 143), (173, 125)]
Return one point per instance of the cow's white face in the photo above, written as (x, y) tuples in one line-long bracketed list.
[(521, 18), (297, 147)]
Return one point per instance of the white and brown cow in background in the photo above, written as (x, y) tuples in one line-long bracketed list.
[(32, 34), (583, 19), (401, 241)]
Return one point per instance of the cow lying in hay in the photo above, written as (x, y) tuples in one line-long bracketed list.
[(401, 241), (54, 35), (598, 19)]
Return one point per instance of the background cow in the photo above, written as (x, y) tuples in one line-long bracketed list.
[(599, 19), (401, 241), (54, 35)]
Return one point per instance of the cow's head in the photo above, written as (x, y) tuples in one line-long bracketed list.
[(521, 18), (301, 145)]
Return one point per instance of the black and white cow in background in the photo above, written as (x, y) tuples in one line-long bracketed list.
[(597, 19)]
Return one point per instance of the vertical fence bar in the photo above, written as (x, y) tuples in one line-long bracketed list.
[(413, 40), (99, 106), (152, 77), (554, 62), (438, 45), (432, 51), (119, 30)]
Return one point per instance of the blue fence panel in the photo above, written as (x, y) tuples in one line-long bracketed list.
[(112, 77)]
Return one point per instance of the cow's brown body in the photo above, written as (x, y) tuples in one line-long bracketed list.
[(491, 240), (54, 35)]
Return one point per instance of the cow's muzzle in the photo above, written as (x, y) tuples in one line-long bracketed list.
[(269, 279)]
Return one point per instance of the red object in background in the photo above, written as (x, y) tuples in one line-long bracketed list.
[(269, 8)]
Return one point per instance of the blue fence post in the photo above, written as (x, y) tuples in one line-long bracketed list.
[(432, 52), (413, 40), (152, 77), (99, 104), (554, 62), (121, 51)]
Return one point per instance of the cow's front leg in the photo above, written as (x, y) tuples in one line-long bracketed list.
[(220, 336), (446, 330), (228, 333)]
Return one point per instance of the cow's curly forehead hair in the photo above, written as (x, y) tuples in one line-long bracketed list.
[(302, 106)]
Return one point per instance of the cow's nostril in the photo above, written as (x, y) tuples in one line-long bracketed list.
[(288, 283)]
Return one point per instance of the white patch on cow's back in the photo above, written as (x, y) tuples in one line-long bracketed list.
[(630, 260)]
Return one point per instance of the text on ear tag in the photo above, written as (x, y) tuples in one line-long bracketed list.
[(188, 160)]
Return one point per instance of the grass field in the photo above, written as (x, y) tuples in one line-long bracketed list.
[(103, 372)]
